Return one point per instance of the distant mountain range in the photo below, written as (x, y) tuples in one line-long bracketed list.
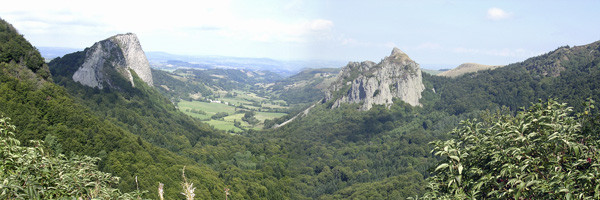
[(167, 61), (50, 53)]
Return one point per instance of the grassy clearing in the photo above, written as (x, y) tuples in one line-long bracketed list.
[(224, 125), (196, 115), (254, 96), (227, 123), (236, 117), (261, 116), (209, 108), (235, 101)]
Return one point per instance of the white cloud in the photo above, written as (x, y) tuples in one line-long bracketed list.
[(497, 14), (102, 19), (320, 24)]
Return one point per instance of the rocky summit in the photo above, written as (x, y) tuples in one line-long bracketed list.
[(396, 76), (122, 52)]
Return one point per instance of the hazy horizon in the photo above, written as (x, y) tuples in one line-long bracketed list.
[(433, 33)]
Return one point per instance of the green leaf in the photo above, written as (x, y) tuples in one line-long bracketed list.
[(524, 167), (530, 183), (455, 158), (442, 166), (576, 149)]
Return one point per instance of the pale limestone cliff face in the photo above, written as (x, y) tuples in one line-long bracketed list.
[(134, 56), (123, 52), (369, 83)]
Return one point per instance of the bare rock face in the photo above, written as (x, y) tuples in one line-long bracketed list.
[(123, 52), (369, 83)]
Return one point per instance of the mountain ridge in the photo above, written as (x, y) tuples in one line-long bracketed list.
[(467, 68), (168, 61)]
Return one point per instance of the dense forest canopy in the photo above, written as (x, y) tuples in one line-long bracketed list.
[(138, 134)]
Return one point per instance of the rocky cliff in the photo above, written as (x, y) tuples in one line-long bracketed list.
[(396, 76), (121, 52)]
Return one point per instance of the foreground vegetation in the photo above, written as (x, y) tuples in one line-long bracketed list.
[(545, 152), (383, 153), (33, 173)]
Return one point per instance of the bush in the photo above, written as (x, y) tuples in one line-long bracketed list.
[(219, 115), (542, 153), (30, 173)]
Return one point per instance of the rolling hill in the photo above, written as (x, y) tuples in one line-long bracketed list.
[(466, 68)]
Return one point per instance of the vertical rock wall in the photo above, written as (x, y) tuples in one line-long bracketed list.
[(123, 52), (369, 83)]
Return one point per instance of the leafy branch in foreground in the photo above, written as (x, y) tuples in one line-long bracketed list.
[(30, 173), (545, 152)]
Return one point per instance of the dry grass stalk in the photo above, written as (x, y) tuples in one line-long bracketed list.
[(161, 191), (188, 188)]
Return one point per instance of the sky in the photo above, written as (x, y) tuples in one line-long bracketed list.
[(436, 34)]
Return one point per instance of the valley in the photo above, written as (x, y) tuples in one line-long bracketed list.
[(113, 121), (222, 97), (235, 109), (229, 99)]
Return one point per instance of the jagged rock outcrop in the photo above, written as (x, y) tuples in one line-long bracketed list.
[(396, 76), (122, 52)]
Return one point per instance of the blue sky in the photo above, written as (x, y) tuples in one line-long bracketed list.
[(436, 34)]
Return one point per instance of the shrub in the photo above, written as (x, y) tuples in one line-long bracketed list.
[(545, 152), (31, 173)]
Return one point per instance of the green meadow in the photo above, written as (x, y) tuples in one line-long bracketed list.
[(205, 110)]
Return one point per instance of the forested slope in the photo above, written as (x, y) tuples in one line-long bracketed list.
[(340, 153), (306, 87), (393, 145), (568, 74), (246, 165), (176, 87), (44, 111)]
